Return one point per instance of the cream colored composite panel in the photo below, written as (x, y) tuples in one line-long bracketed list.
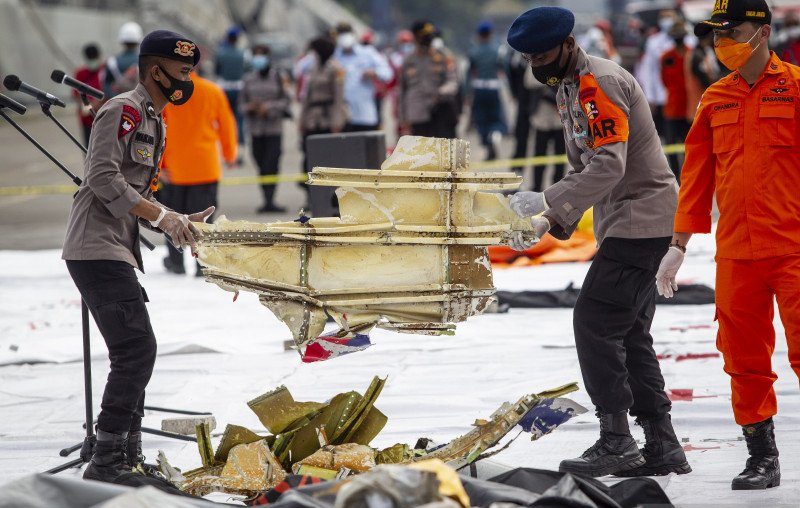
[(407, 254)]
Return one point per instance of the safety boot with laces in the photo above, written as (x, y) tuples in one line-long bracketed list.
[(614, 452), (662, 452), (762, 470)]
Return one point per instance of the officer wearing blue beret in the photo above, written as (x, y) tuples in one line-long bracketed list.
[(101, 247), (619, 169)]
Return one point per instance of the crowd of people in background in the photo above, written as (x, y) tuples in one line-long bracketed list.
[(344, 81)]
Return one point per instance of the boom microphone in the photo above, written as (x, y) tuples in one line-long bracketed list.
[(16, 107), (14, 84), (61, 78)]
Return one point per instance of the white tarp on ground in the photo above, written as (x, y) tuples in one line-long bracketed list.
[(437, 385)]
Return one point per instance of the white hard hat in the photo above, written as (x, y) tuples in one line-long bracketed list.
[(130, 33)]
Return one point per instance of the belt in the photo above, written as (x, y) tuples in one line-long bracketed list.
[(488, 84), (231, 85)]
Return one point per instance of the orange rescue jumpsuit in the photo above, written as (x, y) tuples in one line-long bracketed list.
[(745, 145), (196, 131)]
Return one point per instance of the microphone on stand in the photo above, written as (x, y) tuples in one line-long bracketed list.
[(62, 78), (14, 84)]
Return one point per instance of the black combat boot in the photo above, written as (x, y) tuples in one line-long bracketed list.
[(762, 470), (109, 462), (662, 452), (615, 451), (136, 458)]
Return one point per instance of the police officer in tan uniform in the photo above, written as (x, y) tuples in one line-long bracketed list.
[(427, 86), (101, 247), (266, 103), (619, 168), (323, 109)]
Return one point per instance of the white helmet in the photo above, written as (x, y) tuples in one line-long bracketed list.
[(130, 33)]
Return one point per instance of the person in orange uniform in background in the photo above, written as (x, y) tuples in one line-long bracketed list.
[(191, 167), (744, 145), (674, 77)]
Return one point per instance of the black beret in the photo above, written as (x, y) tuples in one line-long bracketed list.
[(540, 29), (423, 27), (171, 45)]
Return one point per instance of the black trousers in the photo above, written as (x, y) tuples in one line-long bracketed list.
[(675, 131), (187, 199), (522, 125), (267, 154), (87, 131), (612, 320), (441, 125), (117, 303), (543, 140)]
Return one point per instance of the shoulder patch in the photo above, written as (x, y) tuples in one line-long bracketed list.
[(607, 122), (128, 121)]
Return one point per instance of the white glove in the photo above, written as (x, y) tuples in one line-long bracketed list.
[(522, 240), (177, 227), (202, 216), (528, 203), (667, 270)]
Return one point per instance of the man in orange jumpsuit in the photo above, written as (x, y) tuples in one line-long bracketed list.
[(744, 145), (191, 164)]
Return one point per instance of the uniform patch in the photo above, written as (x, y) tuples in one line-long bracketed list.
[(144, 152), (777, 98), (782, 81), (587, 93), (184, 48), (145, 138), (608, 123), (779, 90), (129, 120), (590, 108), (729, 105)]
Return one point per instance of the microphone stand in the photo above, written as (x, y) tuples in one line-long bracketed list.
[(46, 110), (87, 446)]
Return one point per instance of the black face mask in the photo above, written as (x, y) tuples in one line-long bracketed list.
[(551, 74), (178, 92)]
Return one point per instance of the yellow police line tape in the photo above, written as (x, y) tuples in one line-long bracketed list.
[(32, 190)]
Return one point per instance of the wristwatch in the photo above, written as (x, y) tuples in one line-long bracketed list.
[(678, 246), (161, 215)]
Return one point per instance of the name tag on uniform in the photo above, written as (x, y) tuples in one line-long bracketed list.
[(145, 138)]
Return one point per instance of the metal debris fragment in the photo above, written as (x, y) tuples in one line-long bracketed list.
[(408, 253)]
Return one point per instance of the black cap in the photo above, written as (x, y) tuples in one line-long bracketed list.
[(171, 45), (731, 13)]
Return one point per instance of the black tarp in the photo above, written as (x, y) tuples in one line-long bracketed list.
[(521, 487), (690, 294)]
